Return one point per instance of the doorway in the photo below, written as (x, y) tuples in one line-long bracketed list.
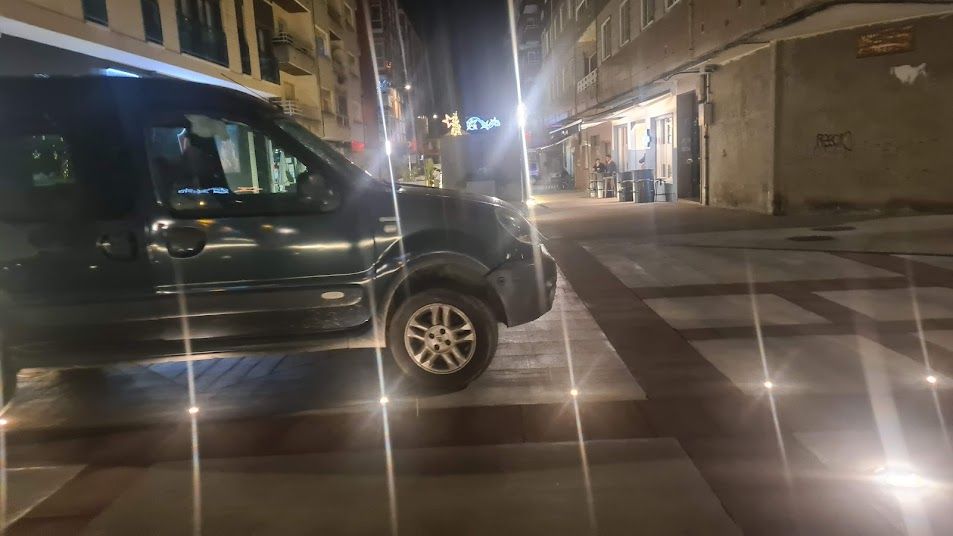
[(664, 146), (688, 170), (664, 158)]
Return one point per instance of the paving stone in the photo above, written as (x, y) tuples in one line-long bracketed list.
[(817, 364), (651, 265), (896, 304), (520, 489), (730, 311)]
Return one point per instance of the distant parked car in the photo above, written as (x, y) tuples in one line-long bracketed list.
[(155, 219)]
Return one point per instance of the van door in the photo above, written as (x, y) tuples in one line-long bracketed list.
[(73, 268), (250, 256)]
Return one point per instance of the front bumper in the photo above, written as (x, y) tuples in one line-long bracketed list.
[(526, 287)]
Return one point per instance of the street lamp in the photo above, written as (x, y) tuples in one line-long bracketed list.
[(407, 86)]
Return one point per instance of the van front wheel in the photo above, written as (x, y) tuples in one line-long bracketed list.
[(442, 338)]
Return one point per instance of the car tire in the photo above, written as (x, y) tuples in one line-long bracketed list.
[(443, 339)]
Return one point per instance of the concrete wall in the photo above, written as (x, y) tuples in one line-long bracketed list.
[(717, 22), (741, 133), (896, 137)]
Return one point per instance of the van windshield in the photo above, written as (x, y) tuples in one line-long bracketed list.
[(336, 160)]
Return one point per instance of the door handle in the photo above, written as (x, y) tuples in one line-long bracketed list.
[(120, 246), (184, 242)]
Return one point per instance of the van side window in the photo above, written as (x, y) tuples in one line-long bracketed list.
[(64, 165), (205, 166), (37, 178)]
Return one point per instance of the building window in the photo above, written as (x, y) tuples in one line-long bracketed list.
[(669, 4), (579, 6), (625, 23), (648, 12), (590, 63), (95, 11), (605, 43), (545, 42), (377, 16), (326, 101), (200, 30), (265, 32), (152, 21), (242, 39), (321, 43), (215, 167), (349, 16), (342, 105)]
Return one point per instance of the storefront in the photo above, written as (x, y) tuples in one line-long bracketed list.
[(644, 145)]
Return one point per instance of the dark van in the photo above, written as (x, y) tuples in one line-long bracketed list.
[(156, 219)]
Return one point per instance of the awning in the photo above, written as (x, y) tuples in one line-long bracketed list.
[(551, 145), (612, 107), (560, 135)]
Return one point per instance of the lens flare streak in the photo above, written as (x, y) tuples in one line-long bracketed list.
[(3, 478), (768, 384), (931, 378), (193, 407), (580, 438)]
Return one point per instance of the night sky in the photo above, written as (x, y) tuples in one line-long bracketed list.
[(471, 58)]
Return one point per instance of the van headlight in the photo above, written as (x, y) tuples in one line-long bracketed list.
[(515, 224)]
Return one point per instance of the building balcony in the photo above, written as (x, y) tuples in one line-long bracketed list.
[(295, 109), (292, 6), (202, 41), (292, 59), (588, 82)]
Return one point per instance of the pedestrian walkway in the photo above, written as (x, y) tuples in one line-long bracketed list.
[(646, 486)]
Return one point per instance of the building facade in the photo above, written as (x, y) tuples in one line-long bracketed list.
[(400, 69), (301, 54), (529, 32), (767, 106)]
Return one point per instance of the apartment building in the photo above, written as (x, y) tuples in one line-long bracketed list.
[(301, 54), (761, 105), (529, 32), (401, 75)]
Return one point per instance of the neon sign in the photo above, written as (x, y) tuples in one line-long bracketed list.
[(475, 123), (453, 123)]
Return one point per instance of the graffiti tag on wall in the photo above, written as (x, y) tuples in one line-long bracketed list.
[(831, 143)]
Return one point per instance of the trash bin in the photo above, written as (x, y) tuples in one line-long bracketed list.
[(665, 191), (644, 191), (626, 191)]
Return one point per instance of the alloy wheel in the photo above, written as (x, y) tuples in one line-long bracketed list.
[(440, 338)]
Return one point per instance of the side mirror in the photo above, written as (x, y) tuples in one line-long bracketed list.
[(315, 190)]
